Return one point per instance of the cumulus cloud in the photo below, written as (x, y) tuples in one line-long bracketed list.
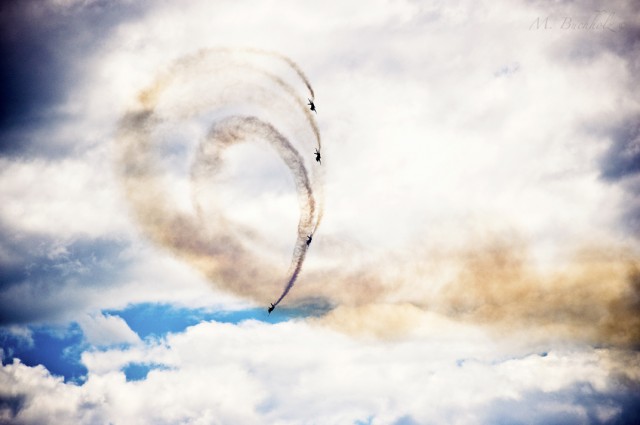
[(458, 374)]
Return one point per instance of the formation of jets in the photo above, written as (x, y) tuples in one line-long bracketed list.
[(312, 106)]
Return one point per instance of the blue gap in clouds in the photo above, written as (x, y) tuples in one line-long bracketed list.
[(139, 371), (157, 320), (57, 349)]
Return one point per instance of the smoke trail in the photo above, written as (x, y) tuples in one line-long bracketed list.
[(239, 100), (298, 260), (223, 82), (288, 60), (593, 299), (237, 129)]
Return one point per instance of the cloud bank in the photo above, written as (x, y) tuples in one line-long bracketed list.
[(330, 378)]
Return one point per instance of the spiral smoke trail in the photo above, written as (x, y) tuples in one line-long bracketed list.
[(185, 121), (244, 95)]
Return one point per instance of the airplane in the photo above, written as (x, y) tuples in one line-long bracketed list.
[(312, 105), (270, 309), (309, 239), (317, 154)]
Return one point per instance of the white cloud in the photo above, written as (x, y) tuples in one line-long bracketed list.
[(100, 329), (66, 199)]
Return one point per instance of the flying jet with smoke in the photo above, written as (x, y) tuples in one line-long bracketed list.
[(312, 105), (309, 239), (318, 157), (136, 154)]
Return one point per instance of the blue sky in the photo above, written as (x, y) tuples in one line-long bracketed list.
[(56, 349), (477, 260)]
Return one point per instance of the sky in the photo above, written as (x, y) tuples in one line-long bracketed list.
[(475, 218)]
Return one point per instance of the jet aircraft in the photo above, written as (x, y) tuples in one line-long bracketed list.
[(312, 105)]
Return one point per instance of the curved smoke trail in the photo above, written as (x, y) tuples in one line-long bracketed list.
[(235, 97), (284, 58), (219, 83)]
